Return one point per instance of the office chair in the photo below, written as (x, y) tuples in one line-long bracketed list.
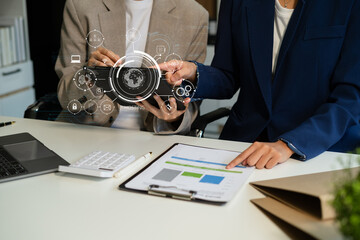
[(48, 108), (200, 123)]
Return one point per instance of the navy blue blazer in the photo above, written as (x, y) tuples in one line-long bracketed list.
[(313, 99)]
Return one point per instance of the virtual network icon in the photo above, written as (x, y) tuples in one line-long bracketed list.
[(95, 38), (74, 107), (133, 78), (75, 59)]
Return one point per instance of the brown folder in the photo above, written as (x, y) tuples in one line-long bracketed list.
[(292, 220), (311, 193)]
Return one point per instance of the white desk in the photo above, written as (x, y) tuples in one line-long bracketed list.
[(65, 206)]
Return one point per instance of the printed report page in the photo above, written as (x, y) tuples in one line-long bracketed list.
[(186, 168)]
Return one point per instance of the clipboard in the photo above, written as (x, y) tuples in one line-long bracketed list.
[(173, 192)]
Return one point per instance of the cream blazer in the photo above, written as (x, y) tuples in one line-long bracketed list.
[(182, 24)]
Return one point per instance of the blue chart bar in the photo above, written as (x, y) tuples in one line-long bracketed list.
[(211, 179), (200, 161)]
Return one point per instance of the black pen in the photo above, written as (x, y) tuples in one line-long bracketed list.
[(3, 124)]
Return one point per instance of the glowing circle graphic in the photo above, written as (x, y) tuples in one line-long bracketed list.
[(95, 38), (84, 79), (132, 83), (185, 90)]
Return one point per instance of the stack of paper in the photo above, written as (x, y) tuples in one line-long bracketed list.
[(12, 40), (304, 202)]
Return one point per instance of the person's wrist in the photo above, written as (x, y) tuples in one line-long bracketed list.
[(286, 148), (193, 71)]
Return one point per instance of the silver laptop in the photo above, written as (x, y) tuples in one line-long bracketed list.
[(22, 155)]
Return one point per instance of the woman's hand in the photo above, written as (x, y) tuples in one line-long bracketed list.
[(167, 111), (177, 71), (263, 154), (103, 57)]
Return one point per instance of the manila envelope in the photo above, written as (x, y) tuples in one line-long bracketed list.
[(296, 224), (311, 193)]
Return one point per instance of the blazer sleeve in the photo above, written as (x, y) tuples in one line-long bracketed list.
[(218, 80), (198, 46), (73, 42), (342, 109)]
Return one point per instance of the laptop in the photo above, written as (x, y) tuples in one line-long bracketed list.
[(22, 155)]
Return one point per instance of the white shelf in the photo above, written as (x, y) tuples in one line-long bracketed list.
[(15, 77), (14, 105), (17, 8), (16, 81)]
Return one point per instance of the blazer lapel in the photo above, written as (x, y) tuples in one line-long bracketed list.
[(113, 26), (260, 17), (162, 13), (289, 34)]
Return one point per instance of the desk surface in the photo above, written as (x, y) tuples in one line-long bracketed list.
[(66, 206)]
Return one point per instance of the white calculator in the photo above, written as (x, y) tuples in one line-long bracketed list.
[(99, 164)]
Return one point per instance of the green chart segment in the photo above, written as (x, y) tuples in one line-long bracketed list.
[(204, 168), (190, 174)]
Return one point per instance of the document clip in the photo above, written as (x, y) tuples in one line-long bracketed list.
[(171, 191)]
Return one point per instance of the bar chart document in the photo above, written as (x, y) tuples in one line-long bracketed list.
[(200, 171)]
